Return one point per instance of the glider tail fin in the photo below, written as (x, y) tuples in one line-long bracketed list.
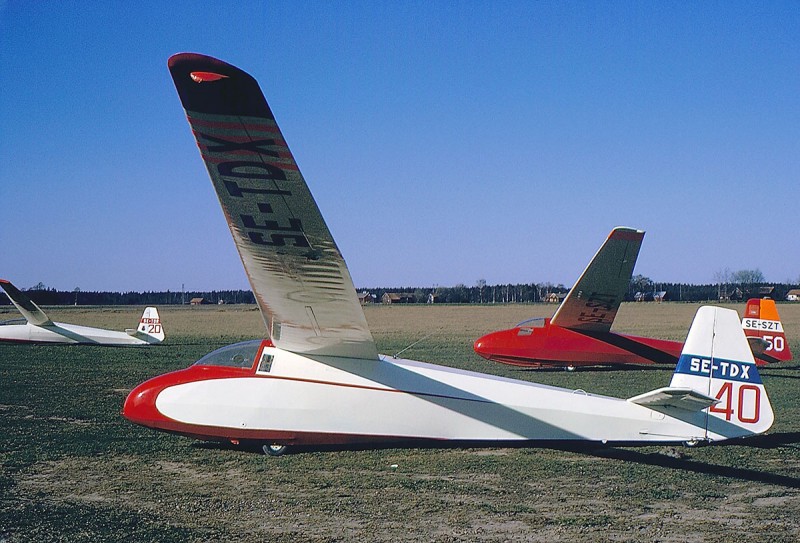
[(763, 328), (150, 328), (594, 300), (717, 362)]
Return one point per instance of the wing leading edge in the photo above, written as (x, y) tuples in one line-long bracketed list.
[(593, 302), (298, 275)]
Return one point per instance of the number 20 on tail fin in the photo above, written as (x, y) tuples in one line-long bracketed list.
[(150, 328)]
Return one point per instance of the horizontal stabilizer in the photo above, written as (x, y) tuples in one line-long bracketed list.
[(32, 313), (682, 398)]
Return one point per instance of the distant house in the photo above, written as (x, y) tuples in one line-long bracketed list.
[(735, 296), (793, 295), (365, 298), (198, 301), (397, 298), (554, 297), (432, 298), (660, 296)]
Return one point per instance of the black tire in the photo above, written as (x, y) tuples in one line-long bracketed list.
[(273, 449)]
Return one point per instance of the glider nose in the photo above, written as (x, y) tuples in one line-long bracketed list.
[(484, 346), (140, 405)]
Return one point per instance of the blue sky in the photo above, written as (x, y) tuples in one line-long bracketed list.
[(445, 142)]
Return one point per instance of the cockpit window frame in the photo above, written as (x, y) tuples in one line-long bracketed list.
[(244, 346), (535, 322)]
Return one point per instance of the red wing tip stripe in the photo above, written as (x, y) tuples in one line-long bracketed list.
[(284, 154), (628, 235), (205, 77)]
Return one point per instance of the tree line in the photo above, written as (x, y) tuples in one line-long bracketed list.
[(42, 295), (641, 289)]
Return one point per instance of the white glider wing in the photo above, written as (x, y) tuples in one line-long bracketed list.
[(32, 313), (299, 277), (593, 302)]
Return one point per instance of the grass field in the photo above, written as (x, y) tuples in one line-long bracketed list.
[(75, 470)]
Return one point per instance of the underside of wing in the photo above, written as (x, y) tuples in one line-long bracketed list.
[(299, 277), (593, 302), (32, 313)]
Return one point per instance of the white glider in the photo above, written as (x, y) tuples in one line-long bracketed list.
[(38, 328), (319, 379)]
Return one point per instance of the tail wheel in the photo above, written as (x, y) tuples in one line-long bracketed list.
[(695, 442), (273, 449)]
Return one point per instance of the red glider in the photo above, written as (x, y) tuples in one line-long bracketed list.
[(579, 334)]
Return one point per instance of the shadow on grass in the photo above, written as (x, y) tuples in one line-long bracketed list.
[(778, 375), (680, 460)]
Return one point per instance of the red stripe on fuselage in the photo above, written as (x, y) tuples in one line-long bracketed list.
[(140, 406)]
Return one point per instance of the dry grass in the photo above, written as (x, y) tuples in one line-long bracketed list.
[(74, 470)]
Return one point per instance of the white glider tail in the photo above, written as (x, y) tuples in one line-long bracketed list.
[(717, 372), (40, 329), (150, 328), (718, 361)]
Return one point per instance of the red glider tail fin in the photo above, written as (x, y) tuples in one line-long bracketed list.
[(762, 322)]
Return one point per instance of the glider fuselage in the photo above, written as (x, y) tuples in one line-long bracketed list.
[(295, 400), (542, 344), (58, 332)]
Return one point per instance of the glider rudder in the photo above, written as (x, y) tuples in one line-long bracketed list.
[(762, 322), (716, 361), (150, 328)]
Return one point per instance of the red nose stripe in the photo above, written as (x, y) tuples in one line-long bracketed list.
[(140, 405)]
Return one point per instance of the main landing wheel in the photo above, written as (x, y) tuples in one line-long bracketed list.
[(274, 449)]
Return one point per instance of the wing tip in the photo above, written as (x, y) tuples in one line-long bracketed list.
[(208, 85), (626, 233)]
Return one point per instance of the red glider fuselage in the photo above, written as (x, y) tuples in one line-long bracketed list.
[(541, 344)]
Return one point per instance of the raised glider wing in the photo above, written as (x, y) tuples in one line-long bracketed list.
[(579, 333), (38, 328), (318, 378)]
